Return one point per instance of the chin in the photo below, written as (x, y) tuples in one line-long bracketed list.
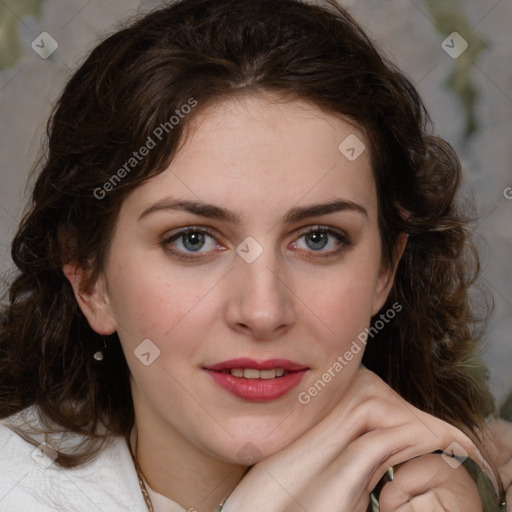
[(250, 445)]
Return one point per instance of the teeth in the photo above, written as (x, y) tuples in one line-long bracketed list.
[(252, 373), (267, 374)]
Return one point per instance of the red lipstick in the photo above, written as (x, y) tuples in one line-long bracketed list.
[(277, 377)]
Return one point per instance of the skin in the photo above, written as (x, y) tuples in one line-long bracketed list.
[(258, 158), (336, 464)]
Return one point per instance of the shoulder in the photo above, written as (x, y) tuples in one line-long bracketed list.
[(30, 480)]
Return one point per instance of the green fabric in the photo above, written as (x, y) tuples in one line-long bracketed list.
[(490, 502)]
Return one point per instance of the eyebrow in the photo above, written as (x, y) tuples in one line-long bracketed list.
[(212, 211)]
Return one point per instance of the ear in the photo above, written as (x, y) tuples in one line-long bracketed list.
[(92, 297), (387, 275)]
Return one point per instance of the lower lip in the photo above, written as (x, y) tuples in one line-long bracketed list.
[(257, 390)]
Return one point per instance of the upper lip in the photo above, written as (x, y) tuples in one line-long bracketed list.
[(268, 364)]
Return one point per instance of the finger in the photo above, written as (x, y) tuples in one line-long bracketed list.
[(368, 405), (345, 484), (426, 480), (350, 478), (455, 441), (425, 503), (376, 409)]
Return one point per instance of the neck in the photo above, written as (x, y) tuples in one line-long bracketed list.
[(175, 468)]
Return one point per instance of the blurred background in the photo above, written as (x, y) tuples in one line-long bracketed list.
[(458, 53)]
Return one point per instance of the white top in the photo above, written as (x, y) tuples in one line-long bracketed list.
[(30, 482)]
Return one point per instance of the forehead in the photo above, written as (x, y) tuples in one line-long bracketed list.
[(258, 150)]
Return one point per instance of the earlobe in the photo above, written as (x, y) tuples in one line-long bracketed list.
[(387, 276), (92, 297)]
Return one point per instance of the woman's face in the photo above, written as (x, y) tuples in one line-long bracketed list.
[(259, 243)]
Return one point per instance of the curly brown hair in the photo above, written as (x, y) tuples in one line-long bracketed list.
[(132, 83)]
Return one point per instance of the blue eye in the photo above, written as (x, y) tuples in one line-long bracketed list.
[(193, 240), (190, 240), (193, 243), (318, 238)]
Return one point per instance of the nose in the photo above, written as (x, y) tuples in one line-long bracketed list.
[(261, 302)]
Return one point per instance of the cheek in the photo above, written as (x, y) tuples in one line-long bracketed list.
[(340, 301), (156, 302)]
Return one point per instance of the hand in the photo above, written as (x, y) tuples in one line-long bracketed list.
[(337, 463), (428, 484)]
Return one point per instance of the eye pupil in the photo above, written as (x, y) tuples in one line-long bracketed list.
[(318, 239), (193, 241)]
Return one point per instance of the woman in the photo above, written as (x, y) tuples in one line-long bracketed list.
[(243, 281)]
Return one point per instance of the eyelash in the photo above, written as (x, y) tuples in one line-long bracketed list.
[(340, 236)]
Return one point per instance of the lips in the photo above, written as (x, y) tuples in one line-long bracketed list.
[(257, 381), (269, 364)]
